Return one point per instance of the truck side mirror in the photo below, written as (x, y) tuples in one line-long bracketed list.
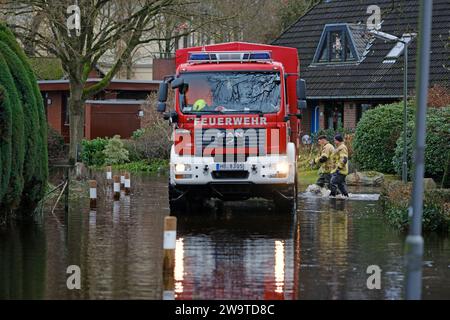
[(162, 96), (301, 89), (301, 94), (163, 91)]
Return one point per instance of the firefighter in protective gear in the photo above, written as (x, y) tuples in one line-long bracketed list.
[(340, 171), (325, 161), (199, 105)]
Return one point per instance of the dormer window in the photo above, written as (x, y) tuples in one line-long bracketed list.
[(336, 45)]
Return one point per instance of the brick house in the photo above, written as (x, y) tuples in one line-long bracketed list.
[(347, 70), (115, 110)]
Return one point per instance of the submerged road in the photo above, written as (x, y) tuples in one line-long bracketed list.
[(238, 251)]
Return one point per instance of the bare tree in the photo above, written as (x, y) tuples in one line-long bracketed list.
[(105, 25)]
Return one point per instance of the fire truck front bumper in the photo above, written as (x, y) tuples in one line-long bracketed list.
[(259, 176)]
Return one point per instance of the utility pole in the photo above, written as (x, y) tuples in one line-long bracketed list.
[(414, 241), (405, 115)]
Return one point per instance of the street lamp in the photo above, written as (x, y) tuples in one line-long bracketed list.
[(404, 42)]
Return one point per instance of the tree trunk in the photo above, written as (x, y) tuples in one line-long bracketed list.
[(76, 119)]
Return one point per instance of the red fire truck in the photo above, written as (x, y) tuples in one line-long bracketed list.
[(236, 119)]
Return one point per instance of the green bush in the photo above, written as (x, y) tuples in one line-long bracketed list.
[(92, 151), (376, 137), (55, 144), (138, 133), (134, 154), (437, 150), (436, 211), (114, 151), (154, 143), (152, 166), (32, 185), (5, 141), (15, 184), (41, 161)]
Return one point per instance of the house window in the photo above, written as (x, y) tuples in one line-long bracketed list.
[(335, 45), (334, 115)]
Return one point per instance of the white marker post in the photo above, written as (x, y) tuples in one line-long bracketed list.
[(170, 239), (109, 173), (122, 180), (127, 183), (116, 188), (93, 193)]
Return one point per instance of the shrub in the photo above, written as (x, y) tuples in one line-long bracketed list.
[(436, 213), (31, 167), (5, 138), (437, 149), (92, 152), (153, 141), (376, 137), (438, 96), (138, 133), (15, 181), (154, 165), (114, 151), (41, 161), (134, 155), (55, 144)]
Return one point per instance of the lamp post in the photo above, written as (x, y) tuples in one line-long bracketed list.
[(405, 40), (414, 241)]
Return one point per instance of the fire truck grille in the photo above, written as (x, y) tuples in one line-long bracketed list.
[(241, 174), (212, 141)]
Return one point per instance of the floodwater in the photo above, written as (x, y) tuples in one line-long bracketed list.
[(241, 250)]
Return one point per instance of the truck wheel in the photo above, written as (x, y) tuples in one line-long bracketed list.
[(177, 205), (283, 205)]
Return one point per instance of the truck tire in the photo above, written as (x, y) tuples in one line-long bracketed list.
[(177, 205), (284, 205)]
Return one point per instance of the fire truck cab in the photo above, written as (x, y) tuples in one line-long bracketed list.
[(236, 118)]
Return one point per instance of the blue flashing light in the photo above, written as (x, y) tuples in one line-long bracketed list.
[(257, 56), (202, 57)]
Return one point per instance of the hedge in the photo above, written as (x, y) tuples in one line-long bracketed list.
[(15, 186), (5, 141), (437, 146), (376, 137), (29, 128), (32, 187), (395, 197), (42, 160)]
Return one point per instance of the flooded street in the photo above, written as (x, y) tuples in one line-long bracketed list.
[(235, 251)]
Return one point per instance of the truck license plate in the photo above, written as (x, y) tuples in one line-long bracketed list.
[(229, 166)]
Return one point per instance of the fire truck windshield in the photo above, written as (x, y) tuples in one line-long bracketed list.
[(231, 92)]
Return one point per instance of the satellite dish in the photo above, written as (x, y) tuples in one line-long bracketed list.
[(306, 139)]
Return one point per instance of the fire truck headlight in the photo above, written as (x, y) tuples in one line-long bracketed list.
[(282, 167), (181, 167)]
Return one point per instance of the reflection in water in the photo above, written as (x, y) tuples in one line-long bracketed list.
[(179, 266), (241, 251), (279, 266)]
